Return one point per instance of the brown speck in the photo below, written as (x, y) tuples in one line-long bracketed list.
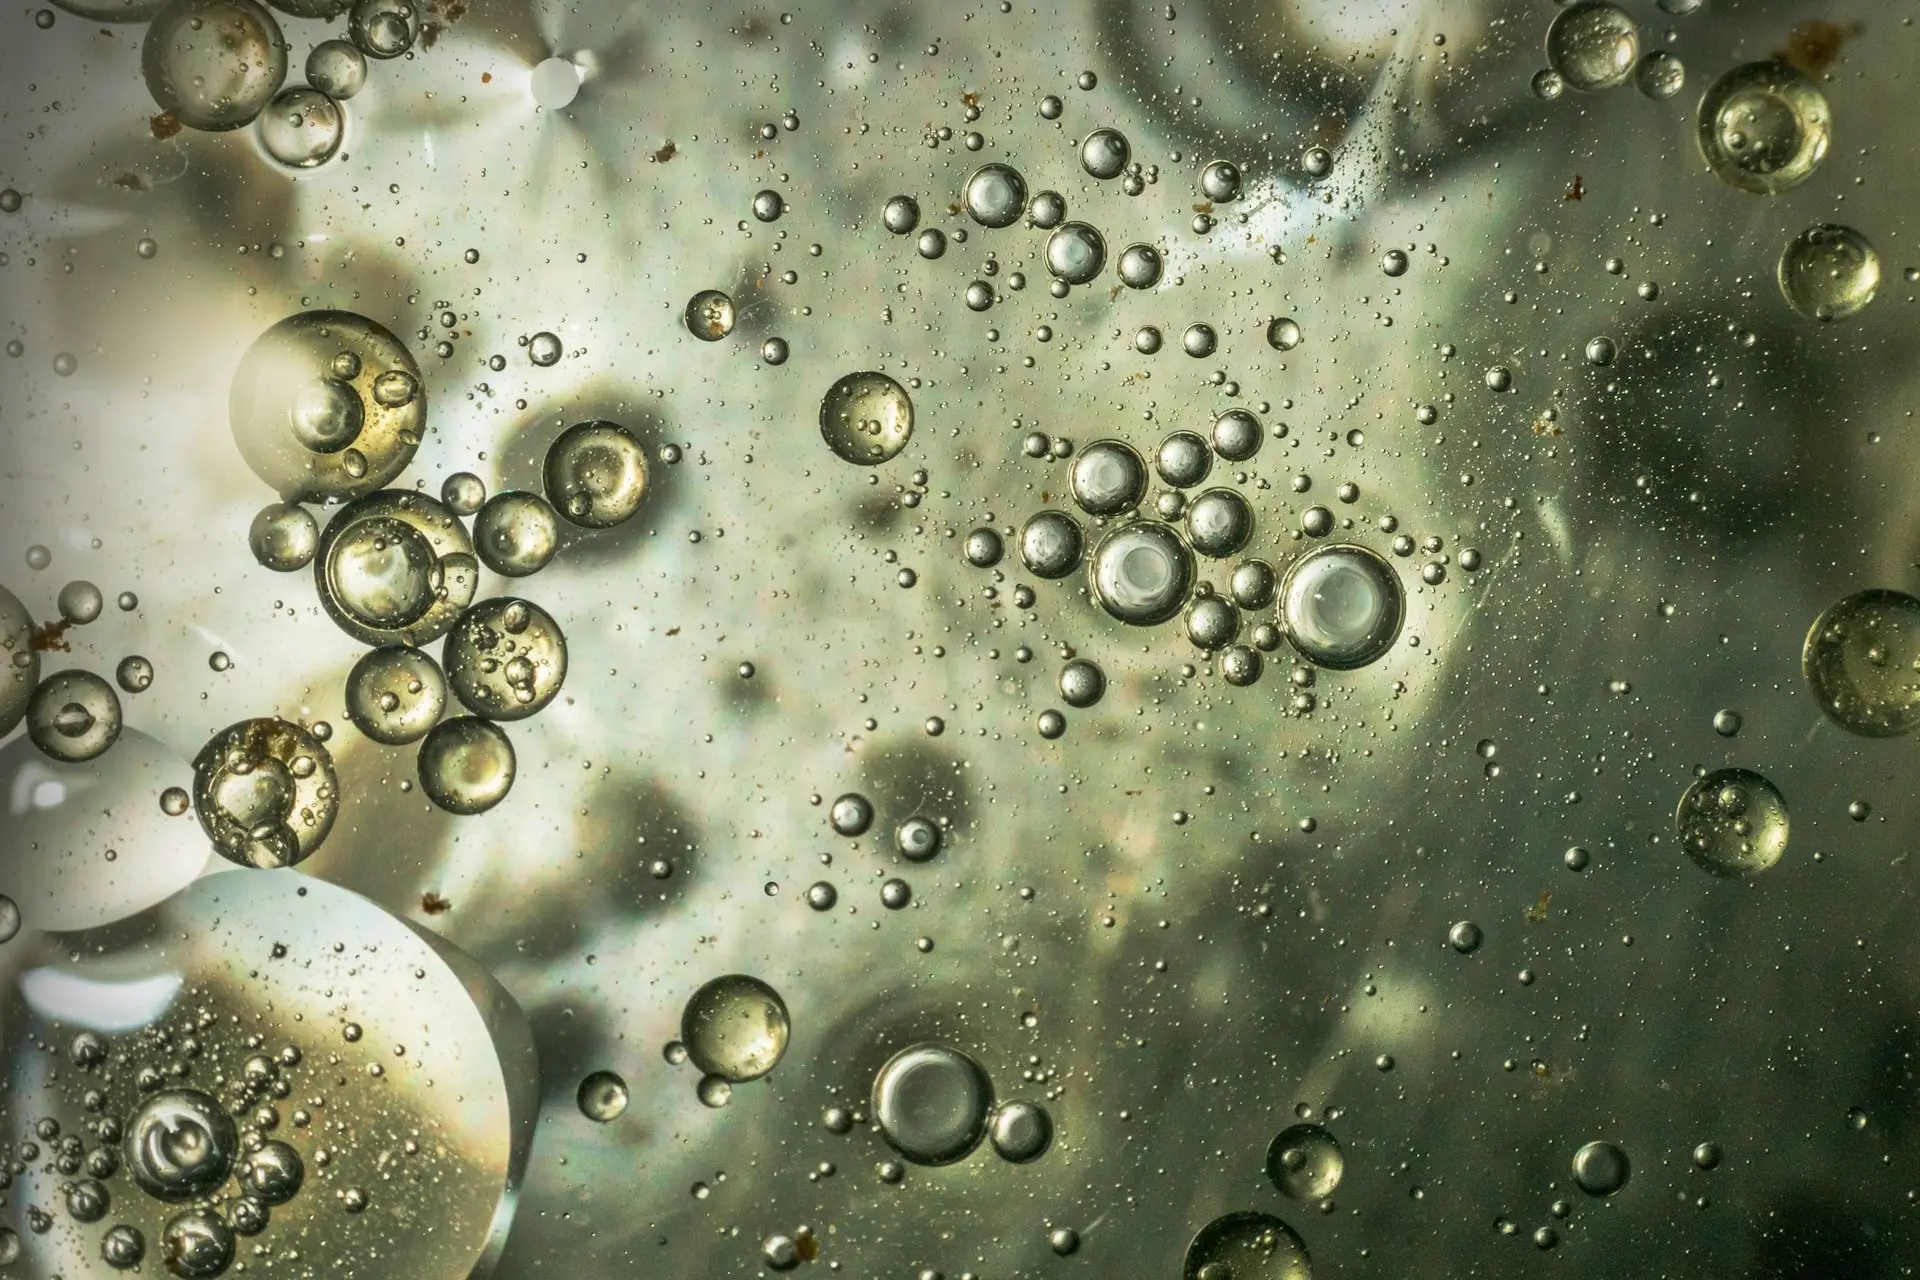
[(970, 99), (1045, 496), (433, 904), (1538, 911), (133, 182), (664, 154), (954, 208), (1577, 188), (486, 77), (1205, 206), (673, 631), (760, 154), (51, 636), (164, 125), (1813, 45), (807, 1245)]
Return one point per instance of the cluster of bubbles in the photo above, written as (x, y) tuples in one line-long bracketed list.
[(933, 1104), (220, 65), (734, 1029)]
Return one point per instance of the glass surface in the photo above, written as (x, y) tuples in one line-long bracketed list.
[(1524, 340)]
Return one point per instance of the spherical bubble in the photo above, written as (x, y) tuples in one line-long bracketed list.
[(544, 349), (1317, 522), (1394, 262), (266, 792), (1707, 1155), (1219, 523), (851, 814), (1050, 544), (984, 548), (1660, 75), (1464, 937), (80, 602), (1547, 85), (1139, 266), (134, 674), (1253, 584), (1341, 606), (1082, 683), (596, 474), (1076, 252), (1283, 333), (382, 582), (272, 1173), (901, 215), (1104, 153), (73, 716), (995, 195), (337, 69), (1317, 162), (822, 896), (506, 658), (895, 894), (1246, 1245), (555, 83), (917, 838), (1212, 622), (768, 206), (1064, 1241), (1764, 127), (1600, 1168), (1108, 478), (979, 296), (714, 1091), (516, 533), (602, 1096), (1047, 209), (1601, 351), (1146, 340), (197, 1243), (1183, 459), (395, 693), (283, 537), (780, 1253), (1200, 341), (19, 661), (1733, 822), (302, 127), (735, 1027), (1593, 44), (931, 1102), (384, 28), (866, 418), (466, 765), (179, 1144), (1141, 573), (463, 493), (710, 315), (213, 64), (932, 243), (1220, 181), (1305, 1162), (1829, 272), (1240, 664), (1236, 435), (1021, 1132), (123, 1247), (1862, 659), (246, 1215), (327, 404)]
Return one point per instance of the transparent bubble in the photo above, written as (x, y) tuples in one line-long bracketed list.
[(979, 295), (901, 215), (1021, 1132), (931, 1102), (544, 349), (1236, 435), (1139, 266), (73, 716), (1212, 622), (180, 1144), (768, 206), (995, 195), (197, 1243), (317, 407), (1082, 683), (932, 243), (1050, 544), (1146, 340), (1829, 272), (1862, 659), (271, 1173), (1394, 262), (851, 814), (1732, 822), (1076, 253), (984, 548), (1104, 153), (596, 474), (213, 64), (895, 894), (266, 792), (466, 765), (735, 1027), (123, 1247), (1601, 351), (80, 602), (1317, 162), (1141, 573), (1600, 1168), (710, 315), (1200, 341), (365, 577), (1183, 459), (1220, 181), (1341, 606), (554, 83), (302, 127), (602, 1096), (516, 533), (1253, 584), (1107, 478), (917, 839), (774, 351), (1764, 127), (1464, 937), (395, 693), (1246, 1245), (1498, 378), (1240, 665), (1660, 75), (283, 537), (506, 658), (337, 69), (1305, 1162), (134, 674), (384, 28), (1707, 1155), (714, 1091), (1219, 523), (822, 896), (463, 493), (1547, 85), (866, 418), (1593, 44)]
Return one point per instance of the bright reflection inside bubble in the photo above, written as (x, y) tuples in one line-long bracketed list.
[(555, 83)]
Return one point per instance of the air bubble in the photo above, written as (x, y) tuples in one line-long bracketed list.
[(1829, 272), (931, 1103), (1076, 253), (1732, 822), (866, 418), (1050, 544), (735, 1028), (995, 195), (1107, 478), (1141, 573), (516, 533), (73, 716), (337, 69), (213, 64), (506, 658), (302, 128), (1341, 606), (1246, 1245), (1104, 153), (710, 315), (1862, 660), (1764, 127), (602, 1096), (1593, 45), (466, 765), (1304, 1162)]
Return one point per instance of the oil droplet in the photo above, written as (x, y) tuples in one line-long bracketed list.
[(1593, 45), (1764, 127), (931, 1103), (602, 1096), (1305, 1162), (735, 1028), (1829, 272), (1732, 822), (1862, 659)]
